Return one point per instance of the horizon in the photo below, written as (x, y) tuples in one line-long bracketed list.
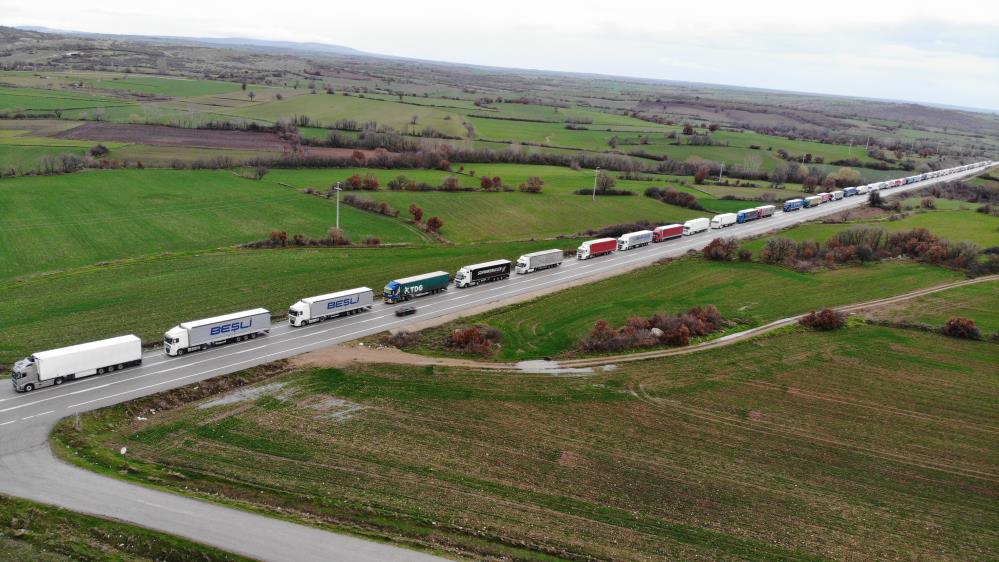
[(950, 60)]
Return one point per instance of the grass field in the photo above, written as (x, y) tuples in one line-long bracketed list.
[(512, 216), (327, 109), (56, 222), (39, 100), (953, 225), (41, 533), (750, 293), (173, 87), (868, 443), (147, 295), (980, 302)]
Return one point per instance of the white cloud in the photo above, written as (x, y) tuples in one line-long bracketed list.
[(906, 50)]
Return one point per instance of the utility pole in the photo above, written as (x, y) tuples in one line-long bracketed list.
[(596, 174), (868, 145), (721, 171), (338, 190), (850, 151)]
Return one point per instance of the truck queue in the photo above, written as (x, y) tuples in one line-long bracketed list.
[(49, 368)]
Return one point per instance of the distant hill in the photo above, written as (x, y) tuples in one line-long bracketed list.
[(241, 42)]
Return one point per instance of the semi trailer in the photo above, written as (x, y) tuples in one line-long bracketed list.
[(56, 366), (217, 330), (693, 226), (399, 290), (485, 272), (813, 201), (861, 189), (766, 211), (667, 232), (594, 248), (634, 240), (747, 215), (536, 261), (849, 191), (793, 205), (837, 195), (723, 220), (324, 307)]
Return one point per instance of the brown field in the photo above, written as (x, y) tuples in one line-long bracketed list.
[(174, 136)]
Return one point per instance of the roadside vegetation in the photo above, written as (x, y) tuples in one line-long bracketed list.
[(37, 532), (647, 460)]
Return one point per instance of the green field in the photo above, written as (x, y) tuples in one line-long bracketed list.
[(864, 444), (511, 216), (953, 225), (173, 87), (980, 302), (327, 109), (39, 100), (41, 533), (750, 293), (56, 222), (149, 294)]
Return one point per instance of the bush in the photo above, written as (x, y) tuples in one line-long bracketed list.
[(826, 319), (963, 328), (532, 185), (434, 224), (99, 150), (480, 340), (720, 249), (671, 196), (658, 329), (403, 339)]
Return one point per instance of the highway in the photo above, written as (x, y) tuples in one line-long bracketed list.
[(32, 472)]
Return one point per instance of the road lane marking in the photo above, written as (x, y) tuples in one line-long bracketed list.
[(37, 415)]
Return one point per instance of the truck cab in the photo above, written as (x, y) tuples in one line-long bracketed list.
[(391, 293), (25, 374), (298, 314), (175, 339), (522, 266), (463, 278)]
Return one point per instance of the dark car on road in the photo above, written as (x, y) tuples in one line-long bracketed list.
[(405, 310)]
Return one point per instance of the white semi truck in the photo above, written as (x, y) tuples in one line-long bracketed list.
[(536, 261), (217, 330), (57, 366), (484, 272), (633, 240), (693, 226), (723, 220), (324, 307)]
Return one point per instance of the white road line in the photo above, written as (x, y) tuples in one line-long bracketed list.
[(37, 415), (8, 422)]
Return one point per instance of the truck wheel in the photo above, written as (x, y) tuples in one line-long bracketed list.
[(57, 381), (29, 387), (120, 366), (101, 371), (180, 352)]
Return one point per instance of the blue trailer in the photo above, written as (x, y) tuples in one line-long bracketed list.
[(793, 205), (747, 215), (849, 191)]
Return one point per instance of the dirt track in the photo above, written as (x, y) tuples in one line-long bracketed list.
[(352, 354)]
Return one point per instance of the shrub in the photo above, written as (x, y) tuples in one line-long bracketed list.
[(434, 224), (401, 183), (403, 339), (720, 249), (532, 185), (658, 329), (961, 328), (745, 255), (826, 319), (480, 340), (416, 212), (99, 150)]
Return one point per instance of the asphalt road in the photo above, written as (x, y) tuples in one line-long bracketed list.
[(31, 471)]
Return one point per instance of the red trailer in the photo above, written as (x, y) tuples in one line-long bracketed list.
[(662, 233), (595, 248)]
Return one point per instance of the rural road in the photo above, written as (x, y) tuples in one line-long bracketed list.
[(31, 471)]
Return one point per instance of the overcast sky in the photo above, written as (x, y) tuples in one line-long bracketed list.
[(940, 52)]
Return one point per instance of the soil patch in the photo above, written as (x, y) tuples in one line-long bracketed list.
[(174, 136)]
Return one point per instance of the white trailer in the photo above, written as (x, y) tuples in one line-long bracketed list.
[(766, 211), (861, 189), (693, 226), (723, 220), (837, 195), (324, 307), (217, 330), (56, 366), (635, 239), (536, 261)]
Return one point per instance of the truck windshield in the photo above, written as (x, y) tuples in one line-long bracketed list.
[(521, 264)]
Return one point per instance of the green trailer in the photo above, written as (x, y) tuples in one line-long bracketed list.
[(416, 286)]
